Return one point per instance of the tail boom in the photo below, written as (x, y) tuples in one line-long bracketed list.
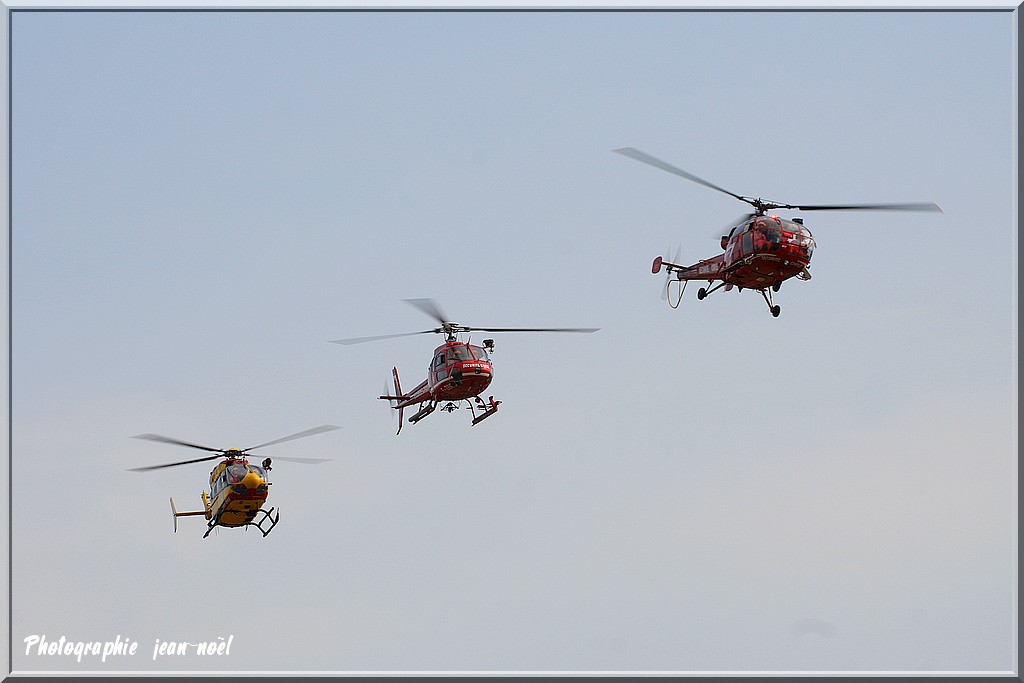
[(708, 269)]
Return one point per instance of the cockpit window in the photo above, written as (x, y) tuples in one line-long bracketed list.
[(458, 353), (801, 235), (256, 469), (236, 472), (478, 352)]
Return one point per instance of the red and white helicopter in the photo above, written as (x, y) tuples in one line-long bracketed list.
[(762, 250), (459, 371)]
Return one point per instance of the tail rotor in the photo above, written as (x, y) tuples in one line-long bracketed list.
[(395, 399), (668, 271), (670, 268)]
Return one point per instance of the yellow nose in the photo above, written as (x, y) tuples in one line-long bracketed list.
[(251, 480)]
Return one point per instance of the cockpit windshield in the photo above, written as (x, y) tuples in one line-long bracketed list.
[(479, 353), (256, 469), (458, 353), (236, 472), (801, 235), (800, 240)]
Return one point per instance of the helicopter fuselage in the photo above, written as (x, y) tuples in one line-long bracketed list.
[(238, 490), (759, 253), (459, 371), (762, 251), (765, 251)]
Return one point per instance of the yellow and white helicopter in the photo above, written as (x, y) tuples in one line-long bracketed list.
[(238, 488)]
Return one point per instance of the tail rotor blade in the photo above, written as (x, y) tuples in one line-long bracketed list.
[(668, 273), (668, 276)]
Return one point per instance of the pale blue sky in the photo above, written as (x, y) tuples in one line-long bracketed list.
[(202, 200)]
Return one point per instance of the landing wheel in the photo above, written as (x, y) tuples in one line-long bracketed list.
[(775, 311), (776, 286), (701, 293)]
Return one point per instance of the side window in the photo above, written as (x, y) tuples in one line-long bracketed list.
[(748, 243)]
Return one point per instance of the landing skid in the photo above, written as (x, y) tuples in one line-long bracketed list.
[(481, 409), (423, 412), (264, 520), (486, 409), (268, 517)]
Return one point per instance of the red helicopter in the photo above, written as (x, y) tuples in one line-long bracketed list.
[(459, 371), (238, 488), (762, 250)]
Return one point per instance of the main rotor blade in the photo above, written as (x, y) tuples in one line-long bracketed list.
[(430, 307), (304, 461), (634, 153), (925, 206), (300, 435), (360, 340), (180, 462), (176, 442), (533, 329)]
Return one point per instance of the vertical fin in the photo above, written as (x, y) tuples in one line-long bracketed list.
[(174, 514)]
